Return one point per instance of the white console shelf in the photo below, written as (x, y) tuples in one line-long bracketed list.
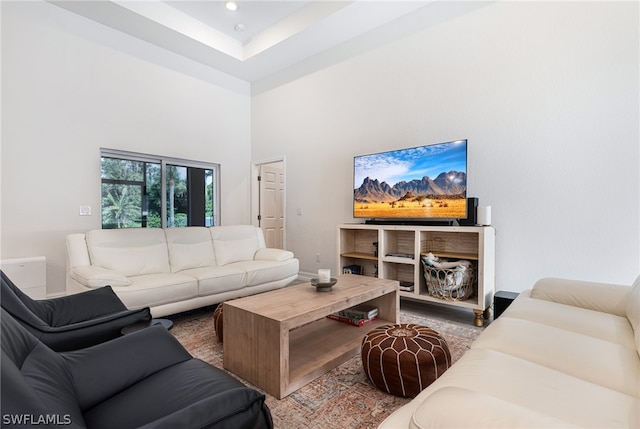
[(397, 256)]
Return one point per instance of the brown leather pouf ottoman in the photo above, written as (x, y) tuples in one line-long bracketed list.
[(404, 359), (217, 321)]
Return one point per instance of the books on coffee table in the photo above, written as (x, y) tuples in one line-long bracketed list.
[(358, 315), (354, 322), (362, 311)]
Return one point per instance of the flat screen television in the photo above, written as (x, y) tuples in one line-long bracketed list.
[(419, 184)]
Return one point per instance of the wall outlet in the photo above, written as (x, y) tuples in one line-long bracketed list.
[(317, 257)]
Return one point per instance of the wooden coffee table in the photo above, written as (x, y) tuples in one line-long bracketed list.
[(281, 340)]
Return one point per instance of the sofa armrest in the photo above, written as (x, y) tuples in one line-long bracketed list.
[(77, 252), (604, 297), (101, 371), (271, 254), (92, 276), (90, 332), (140, 315), (70, 309)]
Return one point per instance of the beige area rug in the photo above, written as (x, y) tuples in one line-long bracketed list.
[(342, 398)]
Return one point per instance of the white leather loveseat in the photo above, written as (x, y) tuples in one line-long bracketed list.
[(564, 354), (177, 269)]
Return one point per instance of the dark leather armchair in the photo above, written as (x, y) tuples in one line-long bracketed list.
[(143, 379), (70, 322)]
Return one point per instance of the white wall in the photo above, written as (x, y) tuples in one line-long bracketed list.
[(71, 86), (546, 93)]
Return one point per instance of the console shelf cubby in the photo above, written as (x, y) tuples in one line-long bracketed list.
[(395, 251)]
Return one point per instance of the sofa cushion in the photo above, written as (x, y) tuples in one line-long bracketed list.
[(201, 396), (235, 243), (157, 289), (597, 361), (633, 311), (605, 326), (509, 378), (487, 411), (189, 248), (260, 272), (212, 280), (130, 252)]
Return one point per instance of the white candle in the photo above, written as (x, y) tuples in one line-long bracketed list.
[(324, 276)]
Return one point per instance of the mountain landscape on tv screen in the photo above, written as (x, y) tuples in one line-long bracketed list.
[(451, 185)]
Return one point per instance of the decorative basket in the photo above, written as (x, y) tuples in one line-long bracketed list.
[(435, 244), (452, 284)]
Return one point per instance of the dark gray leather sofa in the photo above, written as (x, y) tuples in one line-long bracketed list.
[(142, 380)]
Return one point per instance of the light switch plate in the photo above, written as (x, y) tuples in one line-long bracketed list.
[(85, 210)]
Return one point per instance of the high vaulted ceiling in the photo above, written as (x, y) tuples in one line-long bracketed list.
[(257, 40)]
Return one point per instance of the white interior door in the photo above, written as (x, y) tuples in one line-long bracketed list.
[(271, 183)]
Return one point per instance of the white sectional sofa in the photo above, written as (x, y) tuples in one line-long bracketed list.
[(177, 269), (564, 354)]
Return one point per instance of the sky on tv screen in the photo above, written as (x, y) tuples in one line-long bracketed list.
[(413, 163)]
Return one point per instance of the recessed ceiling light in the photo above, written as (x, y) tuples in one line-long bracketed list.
[(231, 5)]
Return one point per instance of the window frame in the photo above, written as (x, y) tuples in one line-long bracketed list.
[(164, 161)]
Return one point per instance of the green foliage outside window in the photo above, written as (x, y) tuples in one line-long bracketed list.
[(132, 190)]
